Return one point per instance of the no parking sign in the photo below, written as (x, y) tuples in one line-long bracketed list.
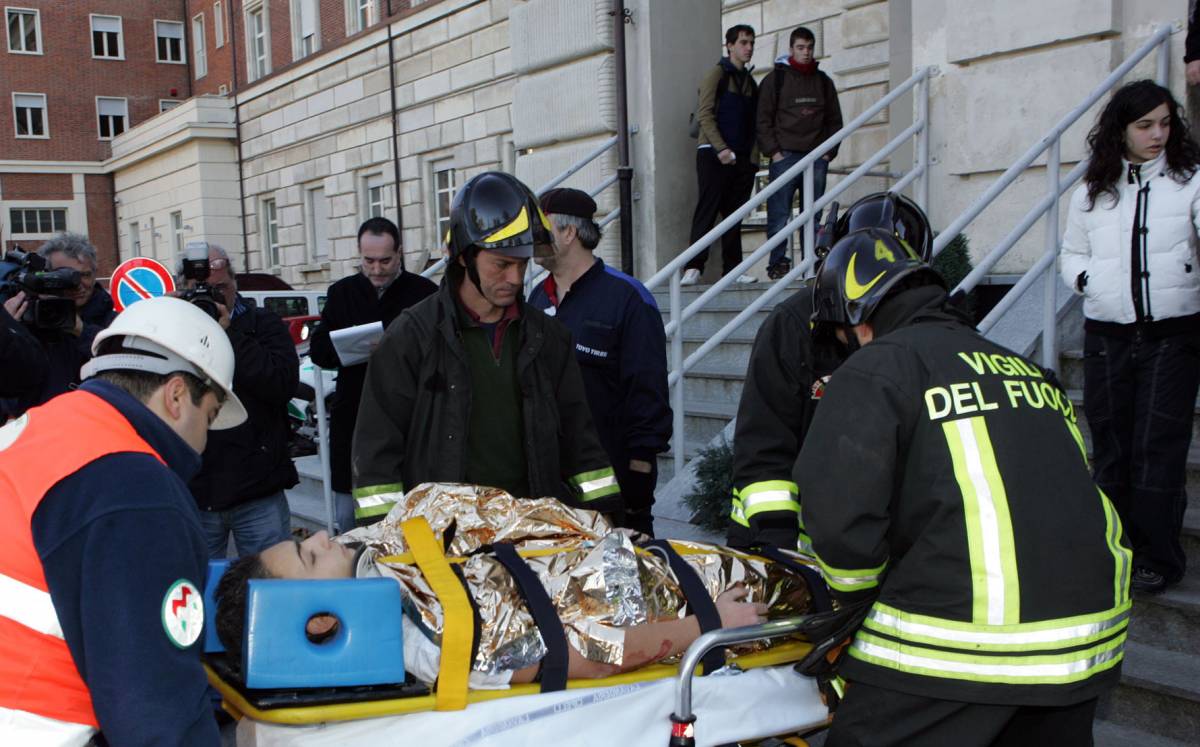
[(137, 279)]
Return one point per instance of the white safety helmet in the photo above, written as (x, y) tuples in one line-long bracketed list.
[(165, 335)]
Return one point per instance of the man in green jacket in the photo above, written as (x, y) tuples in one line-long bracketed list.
[(471, 385)]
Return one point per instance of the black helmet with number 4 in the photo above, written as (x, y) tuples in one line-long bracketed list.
[(896, 214), (496, 212), (859, 272)]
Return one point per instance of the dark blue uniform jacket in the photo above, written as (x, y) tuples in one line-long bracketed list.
[(113, 538)]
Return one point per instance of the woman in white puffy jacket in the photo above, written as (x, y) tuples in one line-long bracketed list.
[(1130, 250)]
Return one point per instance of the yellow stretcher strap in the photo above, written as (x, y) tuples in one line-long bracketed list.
[(458, 618)]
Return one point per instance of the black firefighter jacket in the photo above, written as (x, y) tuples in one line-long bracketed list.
[(413, 417), (251, 460), (946, 476), (352, 301), (784, 382)]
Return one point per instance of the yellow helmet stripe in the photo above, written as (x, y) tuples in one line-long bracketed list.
[(518, 225)]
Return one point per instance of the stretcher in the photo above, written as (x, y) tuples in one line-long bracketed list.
[(297, 693)]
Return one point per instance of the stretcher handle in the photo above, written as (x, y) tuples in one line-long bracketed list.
[(723, 637)]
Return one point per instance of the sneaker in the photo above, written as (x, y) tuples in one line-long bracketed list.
[(691, 276), (746, 279), (1148, 581), (779, 269)]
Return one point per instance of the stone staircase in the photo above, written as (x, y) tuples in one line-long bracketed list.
[(1158, 700)]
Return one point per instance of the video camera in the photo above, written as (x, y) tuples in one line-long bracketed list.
[(25, 271), (195, 267)]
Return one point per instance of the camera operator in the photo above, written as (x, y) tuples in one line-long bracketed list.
[(93, 305), (22, 359), (245, 469), (56, 283)]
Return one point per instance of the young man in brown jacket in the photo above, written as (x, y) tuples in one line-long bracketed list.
[(726, 159), (797, 111)]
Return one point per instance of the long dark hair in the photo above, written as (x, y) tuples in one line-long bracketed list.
[(1106, 141)]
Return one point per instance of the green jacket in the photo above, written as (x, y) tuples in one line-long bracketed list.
[(415, 407)]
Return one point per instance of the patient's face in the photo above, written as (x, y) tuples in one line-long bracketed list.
[(316, 557)]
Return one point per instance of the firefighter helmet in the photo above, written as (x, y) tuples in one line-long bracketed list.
[(496, 212), (859, 272), (896, 214)]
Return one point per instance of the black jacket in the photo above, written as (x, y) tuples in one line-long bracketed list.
[(808, 112), (98, 310), (777, 405), (251, 460), (415, 407), (622, 352), (946, 476), (352, 301), (22, 359)]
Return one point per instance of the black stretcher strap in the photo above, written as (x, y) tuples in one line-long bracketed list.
[(699, 603), (545, 616), (816, 584)]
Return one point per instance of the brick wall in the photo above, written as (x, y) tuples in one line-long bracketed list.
[(35, 187), (71, 105), (102, 227)]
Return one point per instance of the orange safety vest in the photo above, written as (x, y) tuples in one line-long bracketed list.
[(37, 450)]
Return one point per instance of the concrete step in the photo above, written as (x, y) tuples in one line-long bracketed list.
[(713, 382), (1170, 620), (1108, 734), (1159, 693), (732, 354), (737, 296)]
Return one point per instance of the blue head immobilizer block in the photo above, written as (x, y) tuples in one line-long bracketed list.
[(216, 569), (368, 648)]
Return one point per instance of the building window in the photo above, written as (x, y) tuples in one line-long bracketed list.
[(29, 111), (375, 187), (360, 14), (270, 233), (198, 47), (443, 193), (176, 237), (258, 61), (113, 114), (135, 239), (168, 36), (24, 30), (166, 105), (318, 219), (306, 28), (218, 26), (106, 38), (37, 221)]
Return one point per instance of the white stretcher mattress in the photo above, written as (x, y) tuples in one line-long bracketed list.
[(728, 707)]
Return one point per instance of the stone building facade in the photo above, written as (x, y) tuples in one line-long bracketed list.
[(391, 118)]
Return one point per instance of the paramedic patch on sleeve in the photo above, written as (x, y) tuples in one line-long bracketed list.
[(183, 613)]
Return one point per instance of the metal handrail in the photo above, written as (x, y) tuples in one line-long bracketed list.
[(673, 270), (1047, 205), (1010, 175), (786, 177)]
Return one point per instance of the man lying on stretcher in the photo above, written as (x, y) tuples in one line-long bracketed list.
[(621, 607)]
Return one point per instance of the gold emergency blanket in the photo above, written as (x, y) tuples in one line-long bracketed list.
[(596, 578)]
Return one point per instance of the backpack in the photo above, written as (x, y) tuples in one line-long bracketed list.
[(693, 122)]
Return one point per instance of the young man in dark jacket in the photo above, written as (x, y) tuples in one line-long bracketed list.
[(471, 385), (726, 159), (378, 293), (240, 485), (797, 111), (947, 493)]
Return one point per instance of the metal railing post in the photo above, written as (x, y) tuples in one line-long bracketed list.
[(1163, 71), (1050, 312), (923, 143), (323, 447), (677, 435), (806, 245)]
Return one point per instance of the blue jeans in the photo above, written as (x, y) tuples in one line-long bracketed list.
[(256, 525), (779, 205), (343, 512)]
